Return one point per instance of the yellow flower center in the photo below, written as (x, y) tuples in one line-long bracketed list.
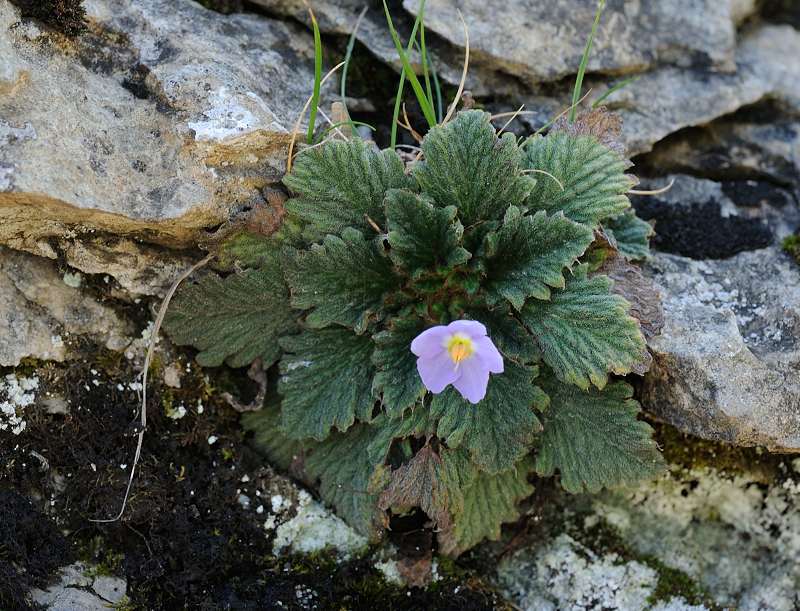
[(460, 347)]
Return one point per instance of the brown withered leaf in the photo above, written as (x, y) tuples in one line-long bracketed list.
[(599, 122), (416, 571), (641, 292), (419, 483)]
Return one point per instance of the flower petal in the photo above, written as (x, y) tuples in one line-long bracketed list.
[(473, 381), (488, 353), (472, 328), (430, 342), (437, 371)]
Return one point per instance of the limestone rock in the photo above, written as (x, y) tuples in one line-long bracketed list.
[(39, 312), (737, 535), (728, 539), (670, 98), (725, 365), (162, 119), (736, 148), (665, 100), (544, 41), (340, 16), (140, 269), (567, 575), (78, 589)]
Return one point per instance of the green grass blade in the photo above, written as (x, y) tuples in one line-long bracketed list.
[(398, 101), (576, 93), (427, 110), (438, 91), (396, 112), (424, 55), (351, 43), (614, 89), (317, 79)]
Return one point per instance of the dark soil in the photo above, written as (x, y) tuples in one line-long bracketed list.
[(66, 16), (184, 542), (698, 230), (31, 549)]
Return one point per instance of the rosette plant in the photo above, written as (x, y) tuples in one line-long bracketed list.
[(496, 255)]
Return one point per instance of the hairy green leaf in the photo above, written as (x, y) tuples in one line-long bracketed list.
[(585, 331), (631, 234), (528, 254), (344, 469), (421, 236), (594, 440), (466, 165), (236, 319), (586, 180), (342, 184), (244, 249), (397, 380), (488, 501), (500, 429), (270, 439), (344, 279), (510, 336), (326, 379), (417, 423)]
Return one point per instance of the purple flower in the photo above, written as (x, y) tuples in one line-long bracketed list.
[(460, 354)]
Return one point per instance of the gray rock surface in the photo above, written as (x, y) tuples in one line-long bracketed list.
[(40, 313), (161, 120), (670, 98), (544, 41), (666, 100), (733, 538), (139, 269), (736, 148), (725, 365), (340, 16), (80, 589)]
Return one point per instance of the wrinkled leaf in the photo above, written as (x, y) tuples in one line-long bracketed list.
[(326, 379), (510, 336), (631, 234), (585, 331), (397, 380), (269, 439), (528, 254), (466, 165), (594, 440), (420, 483), (416, 423), (500, 429), (235, 320), (344, 279), (345, 473), (342, 183), (488, 502), (592, 176), (421, 236)]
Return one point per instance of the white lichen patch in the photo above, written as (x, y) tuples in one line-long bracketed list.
[(390, 572), (176, 413), (314, 528), (225, 118), (735, 534), (15, 395), (567, 575), (73, 280)]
